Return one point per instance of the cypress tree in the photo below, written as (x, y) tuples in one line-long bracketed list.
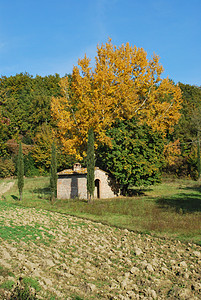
[(53, 174), (20, 171), (90, 164)]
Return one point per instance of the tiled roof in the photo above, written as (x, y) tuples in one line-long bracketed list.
[(72, 172)]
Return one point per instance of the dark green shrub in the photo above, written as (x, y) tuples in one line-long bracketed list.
[(22, 293), (136, 157), (30, 170), (25, 289), (90, 164)]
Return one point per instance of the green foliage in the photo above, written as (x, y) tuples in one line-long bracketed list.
[(20, 171), (187, 131), (7, 285), (90, 163), (3, 135), (7, 167), (64, 160), (25, 102), (25, 115), (53, 173), (22, 290), (136, 156), (44, 89), (187, 127), (32, 282), (41, 151), (192, 164), (198, 155), (14, 96), (30, 169), (24, 110)]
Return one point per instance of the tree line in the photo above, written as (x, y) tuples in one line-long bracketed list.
[(25, 116), (143, 125)]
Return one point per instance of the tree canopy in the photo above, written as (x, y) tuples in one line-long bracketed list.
[(25, 102), (123, 83), (186, 134), (136, 157)]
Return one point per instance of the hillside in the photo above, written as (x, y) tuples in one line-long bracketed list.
[(68, 256)]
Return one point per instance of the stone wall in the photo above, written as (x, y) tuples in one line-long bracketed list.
[(105, 183), (72, 186)]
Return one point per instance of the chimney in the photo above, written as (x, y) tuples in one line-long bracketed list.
[(76, 167)]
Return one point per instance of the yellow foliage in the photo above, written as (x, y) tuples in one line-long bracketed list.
[(123, 84), (41, 150), (172, 152)]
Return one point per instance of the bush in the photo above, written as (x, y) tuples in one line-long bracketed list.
[(136, 157), (7, 167), (25, 289), (22, 293), (185, 166), (30, 170)]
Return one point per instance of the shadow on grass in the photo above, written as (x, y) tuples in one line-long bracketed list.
[(74, 201), (15, 198), (44, 191), (135, 191), (181, 203), (196, 188)]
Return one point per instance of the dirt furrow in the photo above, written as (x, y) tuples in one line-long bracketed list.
[(70, 256)]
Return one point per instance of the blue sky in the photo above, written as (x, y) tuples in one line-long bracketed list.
[(48, 36)]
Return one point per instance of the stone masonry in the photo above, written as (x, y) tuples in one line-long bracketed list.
[(72, 183)]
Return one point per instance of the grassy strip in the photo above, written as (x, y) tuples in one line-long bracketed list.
[(25, 233), (171, 209)]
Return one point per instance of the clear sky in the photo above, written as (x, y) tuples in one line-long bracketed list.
[(48, 36)]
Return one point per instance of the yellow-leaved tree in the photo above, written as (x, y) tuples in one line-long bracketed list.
[(123, 83)]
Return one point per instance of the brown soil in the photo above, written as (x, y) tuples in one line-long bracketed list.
[(71, 256)]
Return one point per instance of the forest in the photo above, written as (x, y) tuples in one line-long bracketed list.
[(137, 139)]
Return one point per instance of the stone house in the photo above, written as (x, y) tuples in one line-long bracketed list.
[(72, 183)]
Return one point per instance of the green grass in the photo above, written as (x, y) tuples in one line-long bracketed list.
[(5, 272), (32, 282), (25, 233), (27, 281), (171, 209), (22, 289), (7, 285)]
